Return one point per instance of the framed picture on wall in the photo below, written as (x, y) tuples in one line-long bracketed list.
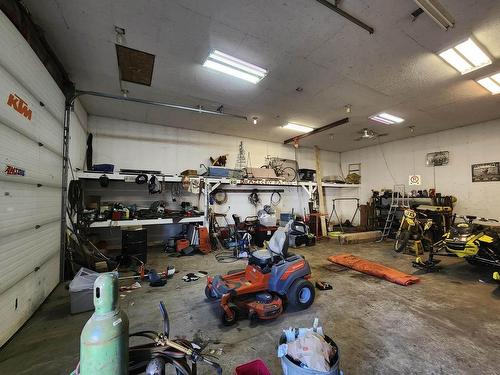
[(437, 159), (485, 172)]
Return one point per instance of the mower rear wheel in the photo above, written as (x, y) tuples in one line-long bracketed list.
[(210, 294), (226, 320), (301, 294)]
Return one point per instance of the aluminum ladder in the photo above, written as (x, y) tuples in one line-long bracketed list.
[(399, 199)]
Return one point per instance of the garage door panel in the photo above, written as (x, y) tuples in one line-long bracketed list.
[(23, 252), (40, 165), (19, 301), (23, 207), (31, 141), (30, 119), (23, 64)]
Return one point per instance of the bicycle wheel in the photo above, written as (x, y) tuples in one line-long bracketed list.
[(289, 174)]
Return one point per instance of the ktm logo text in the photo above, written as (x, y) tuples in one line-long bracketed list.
[(19, 105)]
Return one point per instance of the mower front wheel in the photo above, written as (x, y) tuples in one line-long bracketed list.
[(301, 294), (226, 319)]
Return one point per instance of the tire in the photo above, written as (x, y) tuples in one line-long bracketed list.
[(301, 294), (209, 294), (401, 241), (226, 320), (289, 173)]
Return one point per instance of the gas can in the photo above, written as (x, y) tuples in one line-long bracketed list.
[(104, 339)]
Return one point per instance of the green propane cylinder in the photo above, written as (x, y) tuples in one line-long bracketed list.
[(104, 339)]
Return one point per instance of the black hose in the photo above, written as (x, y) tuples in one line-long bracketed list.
[(166, 320), (253, 198), (75, 196), (219, 200), (275, 202)]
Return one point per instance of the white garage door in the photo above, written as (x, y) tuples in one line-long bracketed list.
[(31, 133)]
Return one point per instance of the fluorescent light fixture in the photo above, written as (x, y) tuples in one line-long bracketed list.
[(491, 83), (437, 12), (466, 56), (297, 127), (232, 66), (387, 118)]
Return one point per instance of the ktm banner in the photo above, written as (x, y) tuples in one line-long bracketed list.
[(19, 105)]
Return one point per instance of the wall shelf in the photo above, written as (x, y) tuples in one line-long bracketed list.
[(135, 222), (211, 184), (124, 177)]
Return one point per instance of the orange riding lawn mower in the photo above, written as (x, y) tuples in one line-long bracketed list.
[(271, 276)]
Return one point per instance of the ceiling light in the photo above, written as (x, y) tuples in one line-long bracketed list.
[(437, 12), (387, 118), (234, 67), (466, 56), (491, 83), (297, 127), (254, 120)]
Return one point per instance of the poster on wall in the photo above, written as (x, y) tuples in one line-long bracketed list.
[(437, 159), (485, 172)]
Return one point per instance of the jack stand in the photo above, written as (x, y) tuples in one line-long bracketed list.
[(416, 249), (429, 265)]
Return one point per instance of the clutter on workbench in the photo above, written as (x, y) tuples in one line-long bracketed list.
[(306, 174), (308, 351), (104, 168), (267, 216)]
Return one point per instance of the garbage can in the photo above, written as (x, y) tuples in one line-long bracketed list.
[(291, 367)]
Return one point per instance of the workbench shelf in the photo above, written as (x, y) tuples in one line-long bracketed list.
[(124, 177), (135, 222)]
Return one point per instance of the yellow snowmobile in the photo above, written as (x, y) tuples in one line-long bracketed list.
[(476, 243)]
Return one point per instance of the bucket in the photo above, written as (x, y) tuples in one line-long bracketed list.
[(256, 367), (290, 366)]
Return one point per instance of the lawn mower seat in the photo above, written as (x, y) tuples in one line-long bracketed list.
[(277, 250)]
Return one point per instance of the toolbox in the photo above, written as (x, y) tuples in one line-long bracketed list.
[(218, 172)]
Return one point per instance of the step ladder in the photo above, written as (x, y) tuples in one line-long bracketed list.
[(399, 200)]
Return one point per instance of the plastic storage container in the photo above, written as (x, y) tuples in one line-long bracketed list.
[(256, 367), (81, 290)]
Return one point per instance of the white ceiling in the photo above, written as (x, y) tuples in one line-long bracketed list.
[(301, 43)]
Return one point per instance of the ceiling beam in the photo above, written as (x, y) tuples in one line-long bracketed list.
[(318, 130), (79, 93), (346, 15)]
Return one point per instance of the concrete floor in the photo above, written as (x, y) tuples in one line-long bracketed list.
[(449, 323)]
